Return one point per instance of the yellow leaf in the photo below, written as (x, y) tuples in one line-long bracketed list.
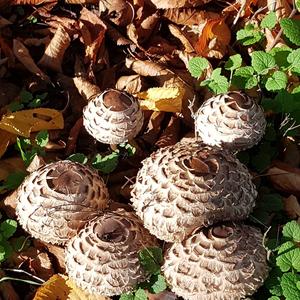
[(10, 165), (26, 121), (60, 287), (167, 99)]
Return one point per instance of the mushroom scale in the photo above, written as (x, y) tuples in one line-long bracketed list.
[(56, 200), (233, 121), (113, 117), (189, 185), (103, 257), (223, 262)]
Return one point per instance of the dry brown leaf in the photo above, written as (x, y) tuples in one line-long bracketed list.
[(178, 3), (10, 165), (292, 207), (179, 33), (62, 288), (54, 53), (281, 7), (132, 84), (168, 99), (31, 2), (4, 22), (55, 21), (116, 36), (170, 135), (26, 121), (285, 178), (166, 295), (7, 291), (146, 68), (6, 50), (82, 2), (6, 139), (214, 39), (291, 154), (23, 55), (37, 41), (85, 88)]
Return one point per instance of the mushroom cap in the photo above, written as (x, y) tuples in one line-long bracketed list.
[(56, 200), (113, 117), (223, 262), (103, 257), (233, 121), (189, 185)]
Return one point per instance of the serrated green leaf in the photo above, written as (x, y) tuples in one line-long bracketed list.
[(2, 253), (291, 230), (128, 296), (234, 62), (78, 157), (217, 83), (197, 65), (298, 285), (262, 62), (140, 294), (249, 35), (157, 284), (294, 60), (273, 282), (288, 257), (129, 148), (274, 298), (244, 78), (13, 180), (151, 258), (42, 138), (291, 29), (8, 228), (106, 164), (297, 3), (269, 21), (289, 286), (280, 55), (277, 81)]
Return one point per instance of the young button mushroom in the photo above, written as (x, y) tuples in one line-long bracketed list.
[(233, 121), (103, 257), (56, 200), (223, 262), (188, 185), (113, 117)]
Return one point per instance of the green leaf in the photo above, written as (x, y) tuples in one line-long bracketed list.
[(8, 228), (273, 282), (291, 29), (297, 3), (13, 180), (234, 62), (129, 148), (280, 55), (2, 253), (128, 296), (20, 243), (291, 230), (140, 294), (157, 284), (269, 21), (197, 65), (78, 157), (106, 164), (288, 257), (294, 60), (217, 83), (249, 35), (277, 81), (244, 78), (25, 96), (151, 258), (15, 106), (42, 138), (262, 62), (289, 286), (274, 298)]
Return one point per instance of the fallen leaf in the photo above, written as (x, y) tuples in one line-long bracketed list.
[(10, 165), (23, 55), (54, 53), (180, 34), (162, 99), (73, 136), (7, 291), (4, 22), (292, 207), (166, 295), (178, 3), (7, 51), (26, 121), (291, 153), (132, 84), (170, 135), (62, 288), (6, 139), (86, 89), (146, 68), (82, 2), (116, 36)]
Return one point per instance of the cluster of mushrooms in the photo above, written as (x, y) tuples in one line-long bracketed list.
[(193, 195)]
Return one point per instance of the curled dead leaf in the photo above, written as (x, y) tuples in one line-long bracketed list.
[(146, 68), (85, 88), (170, 135), (292, 207), (131, 84), (54, 53), (180, 34), (178, 3)]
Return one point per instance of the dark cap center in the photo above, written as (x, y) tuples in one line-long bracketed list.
[(116, 100)]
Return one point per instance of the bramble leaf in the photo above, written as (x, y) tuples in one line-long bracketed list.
[(294, 59), (292, 230), (289, 286), (140, 294), (217, 83), (8, 228), (291, 29), (197, 65), (244, 78), (277, 81), (288, 257), (234, 62), (269, 21), (128, 296), (262, 62), (249, 35), (157, 284)]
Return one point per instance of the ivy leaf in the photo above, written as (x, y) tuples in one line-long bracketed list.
[(217, 83), (128, 296), (78, 157), (262, 62), (291, 29), (288, 257), (151, 258), (140, 294), (249, 35), (197, 65), (42, 138), (289, 286), (291, 230), (244, 78), (277, 81), (234, 62), (8, 228), (157, 284), (269, 21), (294, 59), (106, 164)]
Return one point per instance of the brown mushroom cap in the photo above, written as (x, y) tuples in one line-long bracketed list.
[(233, 121), (189, 185), (223, 262), (58, 199), (103, 257), (113, 117)]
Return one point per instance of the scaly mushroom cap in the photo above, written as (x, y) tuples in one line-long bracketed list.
[(103, 257), (233, 121), (113, 117), (189, 185), (58, 199), (224, 262)]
